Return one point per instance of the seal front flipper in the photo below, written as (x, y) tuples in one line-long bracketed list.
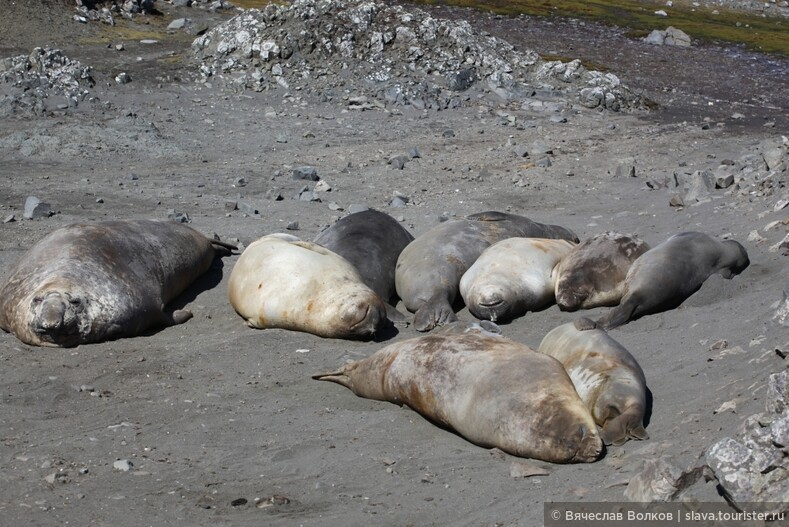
[(434, 312), (178, 316), (585, 324), (618, 430), (490, 215), (395, 316)]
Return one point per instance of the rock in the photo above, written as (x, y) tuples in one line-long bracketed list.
[(179, 217), (656, 37), (661, 12), (521, 151), (308, 195), (724, 180), (462, 80), (322, 186), (398, 162), (777, 397), (306, 172), (398, 202), (293, 226), (35, 208), (247, 208), (780, 204), (677, 37), (414, 153), (240, 182), (10, 218), (334, 206), (661, 481), (626, 168), (700, 184), (274, 194), (448, 133), (782, 246), (178, 23), (676, 201), (782, 311), (123, 78), (355, 207), (123, 465)]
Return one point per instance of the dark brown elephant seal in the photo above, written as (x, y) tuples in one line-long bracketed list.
[(372, 241), (282, 282), (606, 376), (593, 273), (490, 390), (429, 269), (663, 277), (94, 282)]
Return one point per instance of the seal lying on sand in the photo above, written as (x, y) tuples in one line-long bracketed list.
[(372, 241), (429, 269), (512, 276), (490, 390), (593, 273), (606, 376), (280, 281), (663, 277), (93, 282)]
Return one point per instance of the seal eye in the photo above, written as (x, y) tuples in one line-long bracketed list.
[(37, 299), (75, 301)]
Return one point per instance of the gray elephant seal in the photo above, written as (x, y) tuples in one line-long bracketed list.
[(606, 376), (282, 282), (372, 241), (593, 273), (94, 282), (513, 276), (429, 269), (492, 391), (663, 277)]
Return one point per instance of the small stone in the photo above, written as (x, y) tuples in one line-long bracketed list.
[(414, 153), (10, 218), (240, 182), (398, 162), (123, 465), (178, 23), (119, 47), (544, 162), (179, 217), (230, 206), (448, 133), (35, 208), (626, 168), (309, 195), (123, 78), (676, 201), (334, 206), (238, 502), (99, 200), (306, 173), (780, 204), (149, 41), (724, 180), (355, 207), (274, 194), (521, 151), (397, 202), (246, 208), (322, 186), (293, 226)]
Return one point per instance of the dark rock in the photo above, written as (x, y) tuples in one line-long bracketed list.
[(306, 172), (35, 208)]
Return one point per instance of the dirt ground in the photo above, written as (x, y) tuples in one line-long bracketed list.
[(223, 424)]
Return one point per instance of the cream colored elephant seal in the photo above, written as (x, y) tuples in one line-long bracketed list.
[(492, 391), (280, 281), (512, 277), (606, 376)]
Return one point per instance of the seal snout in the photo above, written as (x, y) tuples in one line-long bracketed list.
[(590, 444), (488, 304), (365, 317), (54, 315)]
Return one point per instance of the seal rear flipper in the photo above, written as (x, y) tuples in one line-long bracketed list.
[(618, 316), (223, 248), (338, 377)]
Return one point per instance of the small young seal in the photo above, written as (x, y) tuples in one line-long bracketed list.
[(663, 277), (512, 276), (492, 391), (94, 282), (280, 281), (372, 241), (593, 273), (429, 269), (606, 376)]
